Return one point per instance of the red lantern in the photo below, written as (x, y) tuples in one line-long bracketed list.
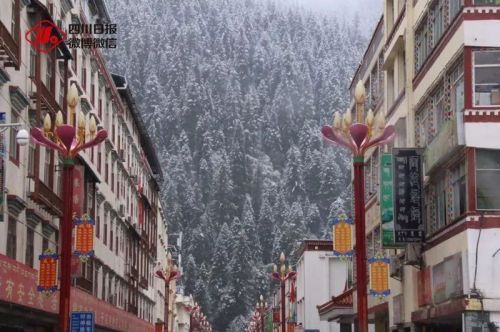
[(47, 274), (84, 237)]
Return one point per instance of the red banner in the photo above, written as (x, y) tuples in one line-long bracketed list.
[(18, 285), (78, 189)]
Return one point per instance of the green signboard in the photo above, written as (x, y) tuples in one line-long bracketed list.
[(386, 201)]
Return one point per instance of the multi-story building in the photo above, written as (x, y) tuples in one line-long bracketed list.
[(320, 276), (120, 178), (440, 61)]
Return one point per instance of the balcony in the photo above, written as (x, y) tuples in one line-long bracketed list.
[(48, 99), (9, 50), (84, 284), (132, 309), (143, 283), (449, 138), (45, 196)]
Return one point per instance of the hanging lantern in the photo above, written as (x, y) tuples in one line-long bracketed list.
[(47, 274), (379, 276), (84, 237), (342, 236)]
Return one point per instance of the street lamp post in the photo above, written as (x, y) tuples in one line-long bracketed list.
[(282, 276), (68, 140), (358, 138), (168, 275), (262, 308)]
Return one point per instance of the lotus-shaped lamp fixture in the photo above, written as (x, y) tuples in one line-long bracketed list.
[(358, 137)]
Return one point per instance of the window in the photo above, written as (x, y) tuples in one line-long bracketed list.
[(61, 89), (98, 224), (99, 159), (45, 244), (421, 44), (84, 74), (15, 18), (487, 179), (486, 2), (32, 62), (49, 72), (30, 246), (438, 106), (111, 238), (106, 171), (46, 173), (92, 92), (436, 21), (74, 60), (99, 107), (455, 6), (458, 185), (457, 88), (12, 238), (487, 77), (433, 26), (105, 232), (13, 146)]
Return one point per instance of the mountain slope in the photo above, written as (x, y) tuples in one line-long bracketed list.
[(234, 93)]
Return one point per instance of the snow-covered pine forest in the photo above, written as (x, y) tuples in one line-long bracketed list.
[(234, 93)]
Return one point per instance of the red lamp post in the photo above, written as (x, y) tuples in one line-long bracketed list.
[(68, 140), (282, 277), (262, 308), (168, 275), (358, 138)]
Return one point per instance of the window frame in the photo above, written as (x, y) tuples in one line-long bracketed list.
[(474, 66)]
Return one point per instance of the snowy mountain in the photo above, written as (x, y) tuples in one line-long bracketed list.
[(234, 93)]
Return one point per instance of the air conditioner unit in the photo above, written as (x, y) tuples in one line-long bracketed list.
[(413, 254), (396, 267)]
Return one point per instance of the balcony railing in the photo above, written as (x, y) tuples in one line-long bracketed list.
[(84, 284), (449, 137), (9, 49), (48, 198)]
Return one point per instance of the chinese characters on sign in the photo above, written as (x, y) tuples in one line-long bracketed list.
[(342, 236), (47, 275), (88, 33), (379, 276), (84, 237), (387, 201), (408, 222), (82, 321)]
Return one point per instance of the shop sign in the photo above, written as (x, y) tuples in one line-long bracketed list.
[(387, 201), (408, 196), (82, 321), (19, 284), (342, 236), (447, 279)]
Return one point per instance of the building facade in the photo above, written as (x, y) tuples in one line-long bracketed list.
[(119, 179), (439, 61), (319, 278)]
